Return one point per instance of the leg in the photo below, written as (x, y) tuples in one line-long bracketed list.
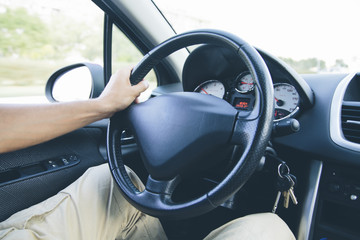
[(256, 226), (90, 208)]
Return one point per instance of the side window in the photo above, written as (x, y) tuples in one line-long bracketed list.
[(125, 53), (39, 37)]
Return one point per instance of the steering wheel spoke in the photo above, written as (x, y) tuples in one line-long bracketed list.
[(244, 132), (162, 187)]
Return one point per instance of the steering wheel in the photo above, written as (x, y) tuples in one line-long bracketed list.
[(173, 130)]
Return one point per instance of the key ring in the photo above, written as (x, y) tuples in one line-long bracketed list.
[(279, 170)]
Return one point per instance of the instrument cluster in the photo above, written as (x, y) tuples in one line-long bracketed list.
[(240, 93)]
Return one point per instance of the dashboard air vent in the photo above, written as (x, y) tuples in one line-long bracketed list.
[(350, 121)]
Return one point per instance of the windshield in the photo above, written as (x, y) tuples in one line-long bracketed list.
[(312, 36)]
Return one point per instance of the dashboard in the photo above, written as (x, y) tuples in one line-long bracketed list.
[(219, 72), (324, 153), (209, 64)]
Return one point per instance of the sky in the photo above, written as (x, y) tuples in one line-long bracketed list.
[(297, 29), (300, 29)]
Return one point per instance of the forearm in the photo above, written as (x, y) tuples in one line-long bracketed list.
[(26, 125), (39, 123)]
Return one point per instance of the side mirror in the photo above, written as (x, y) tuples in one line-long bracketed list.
[(75, 82)]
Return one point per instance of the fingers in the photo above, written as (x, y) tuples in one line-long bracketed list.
[(141, 86), (118, 93), (125, 73)]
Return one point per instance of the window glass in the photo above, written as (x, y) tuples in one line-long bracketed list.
[(311, 36), (125, 53), (37, 37)]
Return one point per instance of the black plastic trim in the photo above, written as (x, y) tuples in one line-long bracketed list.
[(24, 172), (314, 137), (165, 73), (108, 28), (306, 94)]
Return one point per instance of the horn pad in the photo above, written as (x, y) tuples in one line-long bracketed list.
[(173, 130)]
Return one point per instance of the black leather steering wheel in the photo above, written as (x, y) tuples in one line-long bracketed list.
[(173, 130)]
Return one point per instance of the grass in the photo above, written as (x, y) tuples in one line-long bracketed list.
[(19, 77), (17, 91)]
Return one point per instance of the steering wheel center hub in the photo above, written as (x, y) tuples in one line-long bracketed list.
[(174, 130)]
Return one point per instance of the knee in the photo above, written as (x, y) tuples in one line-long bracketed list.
[(267, 225), (255, 226), (94, 178)]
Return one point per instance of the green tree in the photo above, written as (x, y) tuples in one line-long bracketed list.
[(309, 65), (23, 34), (341, 63)]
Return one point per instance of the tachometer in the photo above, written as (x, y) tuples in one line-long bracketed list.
[(212, 87), (286, 100)]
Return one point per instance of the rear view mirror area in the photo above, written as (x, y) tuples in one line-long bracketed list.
[(75, 82)]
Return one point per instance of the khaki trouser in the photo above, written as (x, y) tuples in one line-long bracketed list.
[(93, 208)]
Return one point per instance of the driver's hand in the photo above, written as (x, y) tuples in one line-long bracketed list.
[(118, 93)]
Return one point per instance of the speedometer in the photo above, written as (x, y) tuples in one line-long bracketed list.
[(212, 87), (286, 100)]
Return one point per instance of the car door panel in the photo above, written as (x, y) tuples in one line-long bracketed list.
[(37, 184)]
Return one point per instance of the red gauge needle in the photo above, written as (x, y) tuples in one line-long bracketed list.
[(246, 83), (276, 99), (204, 91)]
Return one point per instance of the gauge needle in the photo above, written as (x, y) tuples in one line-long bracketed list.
[(204, 91), (276, 99), (246, 83)]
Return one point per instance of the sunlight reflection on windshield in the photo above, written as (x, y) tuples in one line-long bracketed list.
[(322, 29)]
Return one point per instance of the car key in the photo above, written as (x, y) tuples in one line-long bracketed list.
[(292, 196), (282, 185), (293, 178), (286, 195), (276, 202), (291, 190)]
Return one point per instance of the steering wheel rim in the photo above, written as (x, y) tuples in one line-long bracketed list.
[(252, 133)]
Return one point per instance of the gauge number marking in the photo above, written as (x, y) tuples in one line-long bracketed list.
[(211, 87), (286, 100)]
